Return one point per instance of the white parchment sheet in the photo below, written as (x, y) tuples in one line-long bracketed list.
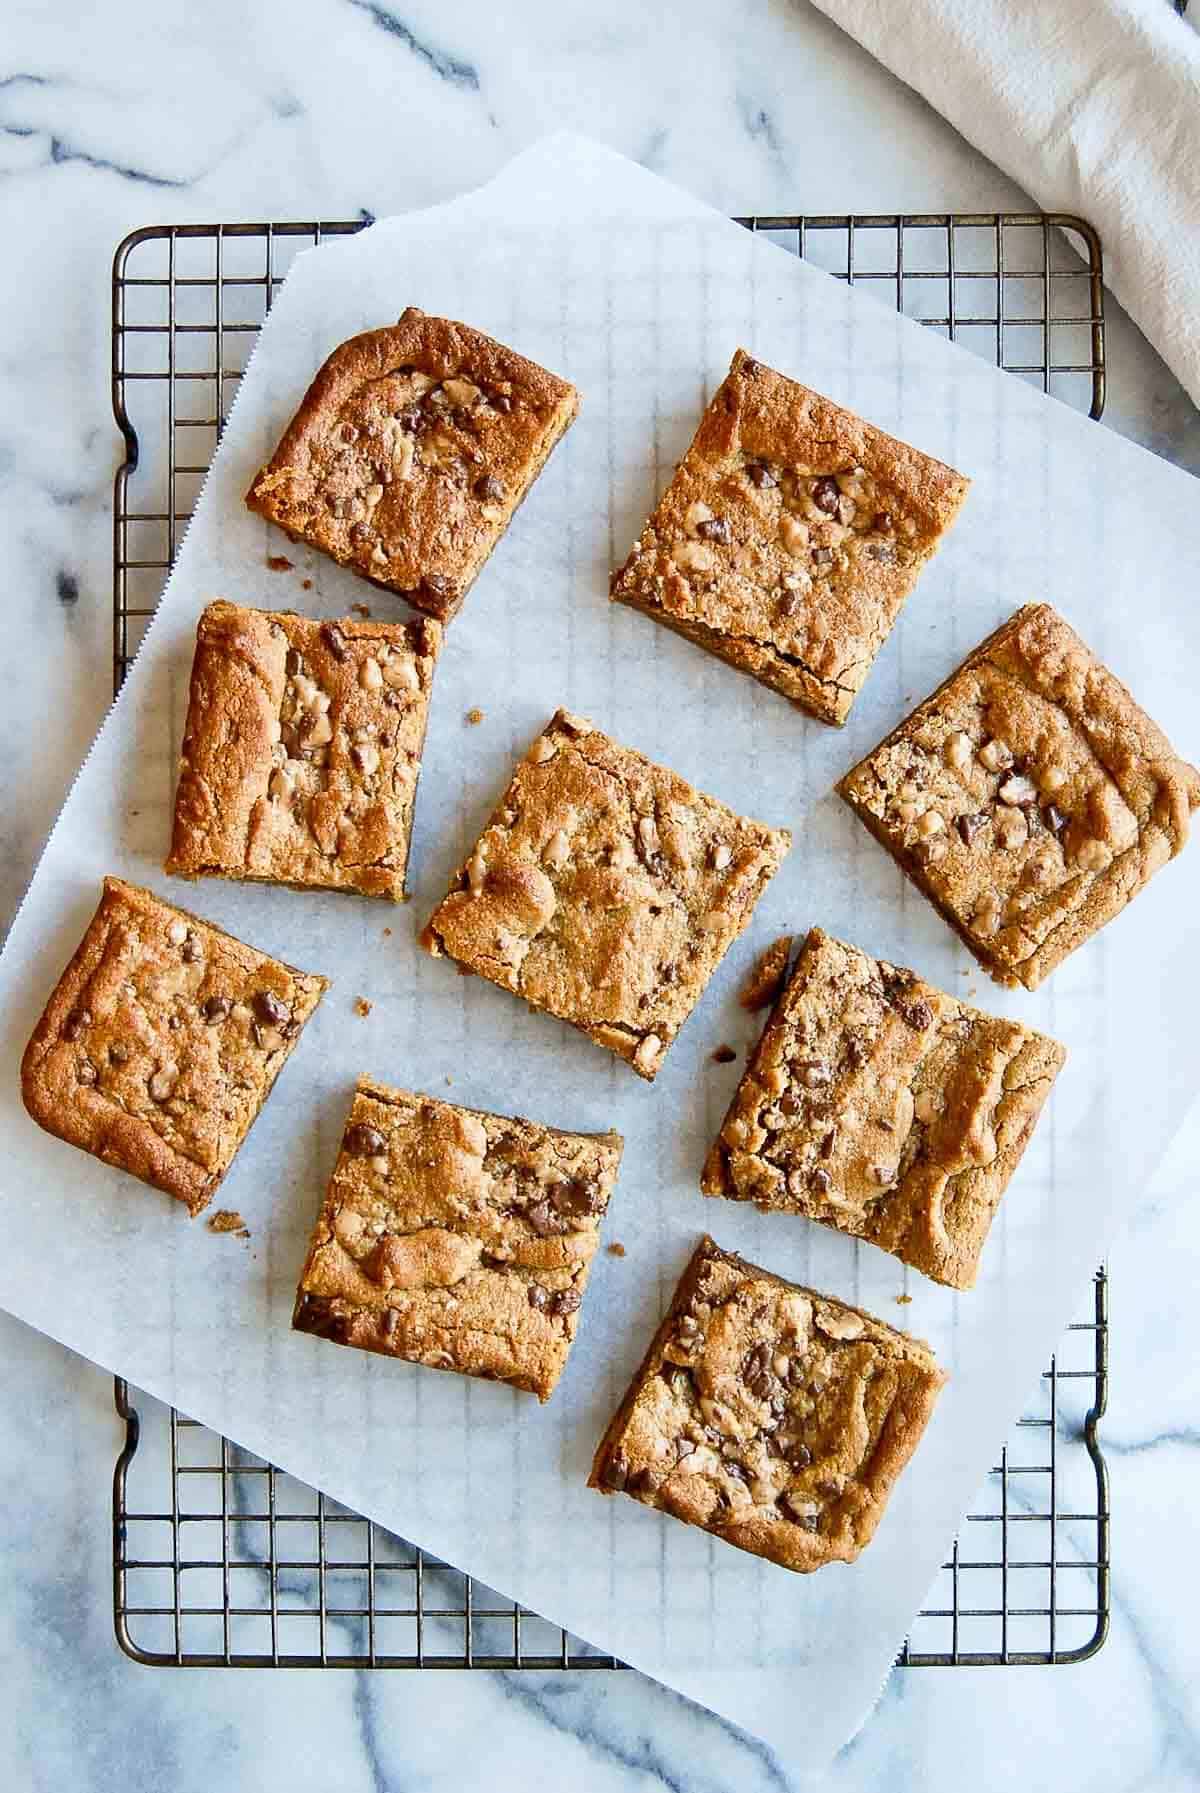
[(640, 295)]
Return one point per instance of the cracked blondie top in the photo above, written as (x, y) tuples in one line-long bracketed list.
[(774, 1417), (412, 449), (789, 538), (878, 1104), (457, 1239), (161, 1043), (302, 750), (605, 890), (1029, 798)]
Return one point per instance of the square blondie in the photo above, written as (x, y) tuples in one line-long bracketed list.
[(411, 450), (302, 750), (774, 1417), (457, 1239), (162, 1041), (1029, 798), (885, 1108), (789, 537), (605, 890)]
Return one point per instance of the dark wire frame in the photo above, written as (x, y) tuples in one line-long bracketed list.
[(219, 1558)]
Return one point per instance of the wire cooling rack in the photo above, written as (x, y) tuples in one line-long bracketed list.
[(221, 1560)]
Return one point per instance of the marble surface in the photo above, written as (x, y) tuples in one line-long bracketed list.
[(172, 112)]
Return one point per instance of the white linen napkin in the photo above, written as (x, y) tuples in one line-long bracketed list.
[(1093, 106)]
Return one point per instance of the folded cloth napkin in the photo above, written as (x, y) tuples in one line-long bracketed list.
[(1094, 107)]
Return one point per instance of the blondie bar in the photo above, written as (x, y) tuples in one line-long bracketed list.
[(161, 1043), (457, 1239), (789, 537), (1029, 798), (774, 1417), (883, 1107), (302, 750), (411, 450), (605, 890)]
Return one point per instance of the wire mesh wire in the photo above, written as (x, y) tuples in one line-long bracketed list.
[(220, 1559)]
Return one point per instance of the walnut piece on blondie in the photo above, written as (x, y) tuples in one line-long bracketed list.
[(885, 1108), (161, 1042), (302, 750), (605, 890), (410, 452), (1029, 798), (457, 1239), (777, 1418), (789, 538)]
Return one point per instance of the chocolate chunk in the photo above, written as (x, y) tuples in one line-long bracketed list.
[(756, 1372), (713, 529), (918, 1015), (269, 1010), (215, 1008), (760, 475), (882, 551), (539, 1298), (614, 1473), (678, 1380), (437, 585), (564, 1301), (362, 1141), (751, 368), (75, 1023), (822, 557), (409, 420), (118, 1053), (389, 1323), (640, 1482), (1055, 820), (826, 495), (787, 604), (575, 1198), (191, 951), (789, 1104), (293, 663), (86, 1072), (334, 640), (820, 1181), (502, 403), (489, 488), (883, 522), (969, 826), (545, 1222)]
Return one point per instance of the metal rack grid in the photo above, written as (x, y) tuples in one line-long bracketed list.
[(219, 1559)]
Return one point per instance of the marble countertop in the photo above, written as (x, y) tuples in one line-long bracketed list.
[(330, 108)]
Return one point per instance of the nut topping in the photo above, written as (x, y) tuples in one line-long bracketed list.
[(995, 756), (1017, 790)]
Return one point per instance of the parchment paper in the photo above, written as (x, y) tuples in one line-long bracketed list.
[(640, 295)]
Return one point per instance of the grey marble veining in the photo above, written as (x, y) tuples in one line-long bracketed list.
[(111, 118)]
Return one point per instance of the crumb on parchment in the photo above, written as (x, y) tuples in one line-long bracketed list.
[(616, 1249), (724, 1055), (362, 1006), (228, 1220), (474, 716)]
